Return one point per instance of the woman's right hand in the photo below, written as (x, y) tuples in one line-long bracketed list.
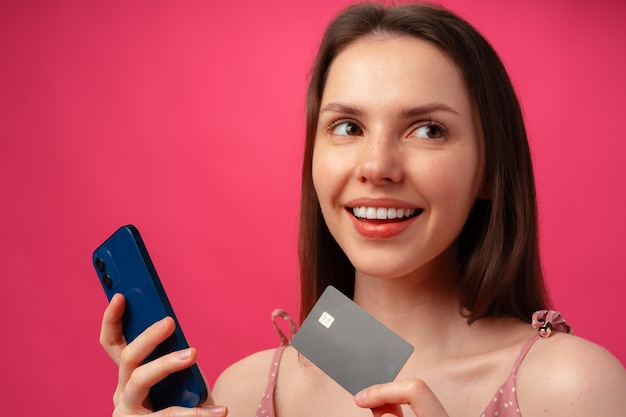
[(135, 378)]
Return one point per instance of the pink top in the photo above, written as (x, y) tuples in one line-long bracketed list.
[(504, 402)]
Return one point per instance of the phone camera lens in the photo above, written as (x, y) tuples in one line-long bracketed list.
[(108, 282), (100, 265)]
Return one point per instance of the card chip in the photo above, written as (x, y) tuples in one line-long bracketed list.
[(326, 319)]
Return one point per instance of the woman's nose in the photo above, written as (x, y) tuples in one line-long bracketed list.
[(380, 161)]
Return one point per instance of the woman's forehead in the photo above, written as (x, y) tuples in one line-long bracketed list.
[(395, 70)]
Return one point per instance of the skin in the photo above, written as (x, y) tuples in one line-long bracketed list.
[(370, 151)]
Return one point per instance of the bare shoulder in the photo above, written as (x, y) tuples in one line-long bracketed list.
[(566, 375), (241, 386)]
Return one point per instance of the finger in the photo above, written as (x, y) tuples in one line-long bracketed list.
[(111, 337), (414, 393), (144, 377), (202, 411), (136, 352), (216, 410), (210, 411), (387, 411)]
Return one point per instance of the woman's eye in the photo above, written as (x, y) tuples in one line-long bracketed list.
[(346, 128), (430, 131)]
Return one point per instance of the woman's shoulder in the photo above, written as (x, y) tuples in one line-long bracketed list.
[(241, 386), (566, 375)]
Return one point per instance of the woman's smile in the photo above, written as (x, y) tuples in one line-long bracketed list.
[(381, 222)]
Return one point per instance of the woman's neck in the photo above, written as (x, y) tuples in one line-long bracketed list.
[(423, 307)]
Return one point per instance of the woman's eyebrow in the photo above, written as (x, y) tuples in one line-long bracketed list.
[(405, 113), (342, 108), (411, 112)]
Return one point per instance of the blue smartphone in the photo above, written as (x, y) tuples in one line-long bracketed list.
[(124, 266)]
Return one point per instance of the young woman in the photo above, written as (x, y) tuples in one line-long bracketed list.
[(418, 202)]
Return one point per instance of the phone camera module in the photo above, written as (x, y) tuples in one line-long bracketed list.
[(108, 282), (100, 265)]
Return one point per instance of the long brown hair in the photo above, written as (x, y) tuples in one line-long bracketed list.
[(500, 269)]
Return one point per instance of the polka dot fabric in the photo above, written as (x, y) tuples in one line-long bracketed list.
[(266, 406), (503, 402)]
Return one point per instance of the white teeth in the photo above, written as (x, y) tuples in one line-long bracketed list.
[(381, 213)]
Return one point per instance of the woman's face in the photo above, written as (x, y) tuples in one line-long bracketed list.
[(398, 159)]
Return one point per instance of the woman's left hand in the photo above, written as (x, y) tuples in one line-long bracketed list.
[(386, 400)]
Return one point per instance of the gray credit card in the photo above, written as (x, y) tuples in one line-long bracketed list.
[(350, 345)]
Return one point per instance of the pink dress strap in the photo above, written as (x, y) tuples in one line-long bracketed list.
[(504, 402), (549, 320), (266, 406)]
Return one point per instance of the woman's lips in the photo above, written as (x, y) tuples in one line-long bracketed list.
[(382, 222)]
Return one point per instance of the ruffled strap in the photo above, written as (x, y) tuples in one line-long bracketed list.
[(266, 406), (284, 340), (547, 321)]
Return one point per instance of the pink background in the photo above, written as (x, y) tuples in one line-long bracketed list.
[(186, 118)]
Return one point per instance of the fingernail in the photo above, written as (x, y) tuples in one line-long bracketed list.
[(360, 395), (161, 324), (184, 354), (218, 410)]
